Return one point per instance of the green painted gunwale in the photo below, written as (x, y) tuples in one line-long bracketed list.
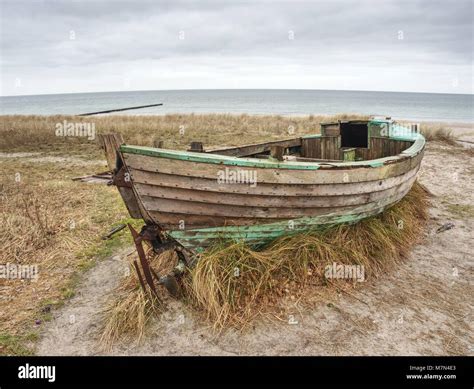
[(417, 147)]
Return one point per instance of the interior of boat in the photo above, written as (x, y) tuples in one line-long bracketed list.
[(354, 140)]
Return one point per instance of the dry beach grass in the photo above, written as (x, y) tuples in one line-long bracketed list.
[(20, 133), (291, 267), (128, 313), (53, 223)]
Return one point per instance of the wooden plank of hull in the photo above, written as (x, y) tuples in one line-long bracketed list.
[(276, 176), (284, 224), (173, 221), (286, 190), (263, 233), (251, 200), (176, 221), (181, 209), (131, 202)]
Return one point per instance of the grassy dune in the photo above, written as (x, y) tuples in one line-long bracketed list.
[(177, 131), (19, 133)]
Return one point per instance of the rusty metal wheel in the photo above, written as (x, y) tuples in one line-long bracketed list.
[(171, 284)]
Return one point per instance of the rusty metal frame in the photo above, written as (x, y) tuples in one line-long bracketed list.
[(138, 240), (154, 235)]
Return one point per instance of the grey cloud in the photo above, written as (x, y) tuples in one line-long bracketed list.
[(35, 35)]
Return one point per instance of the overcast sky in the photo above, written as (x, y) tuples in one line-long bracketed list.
[(91, 46)]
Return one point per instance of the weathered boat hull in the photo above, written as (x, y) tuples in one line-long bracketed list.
[(181, 192)]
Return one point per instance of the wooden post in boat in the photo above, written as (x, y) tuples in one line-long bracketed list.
[(276, 152), (110, 143), (348, 154), (196, 147)]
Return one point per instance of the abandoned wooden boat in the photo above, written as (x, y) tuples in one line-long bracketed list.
[(350, 171)]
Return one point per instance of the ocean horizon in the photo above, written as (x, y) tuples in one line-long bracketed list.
[(286, 102)]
